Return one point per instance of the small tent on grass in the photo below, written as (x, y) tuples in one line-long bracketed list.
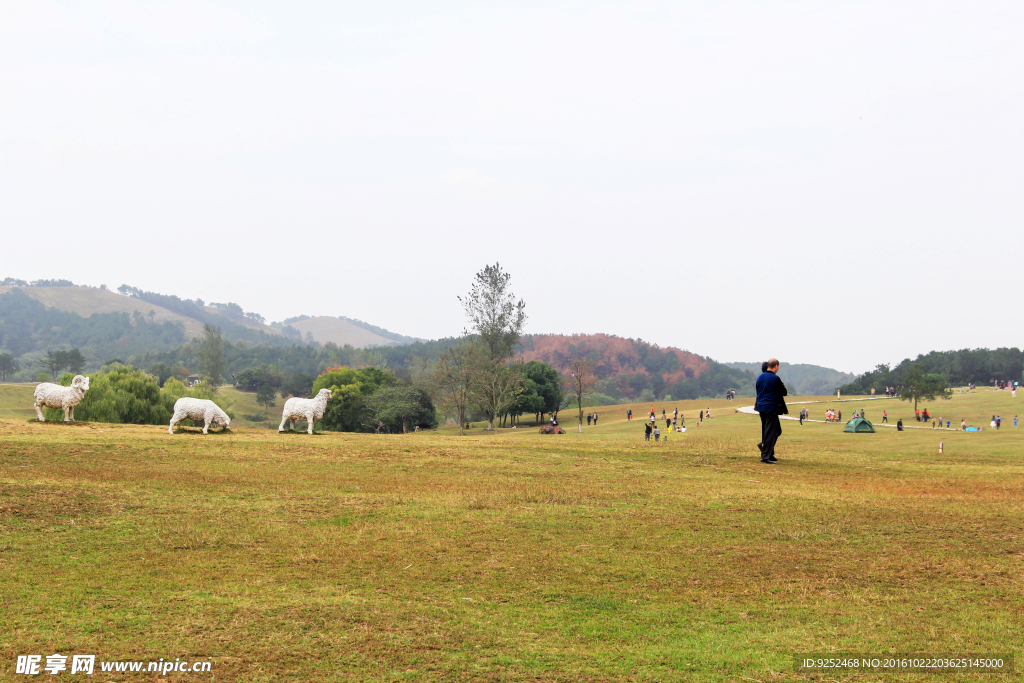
[(859, 425)]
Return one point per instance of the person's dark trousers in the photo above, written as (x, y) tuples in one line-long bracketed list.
[(771, 429)]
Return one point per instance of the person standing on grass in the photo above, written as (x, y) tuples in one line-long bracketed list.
[(1014, 421), (647, 431), (629, 414), (595, 418), (702, 416), (588, 419), (899, 425), (657, 433), (770, 404)]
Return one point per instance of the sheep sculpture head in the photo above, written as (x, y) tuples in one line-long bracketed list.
[(80, 382), (325, 394)]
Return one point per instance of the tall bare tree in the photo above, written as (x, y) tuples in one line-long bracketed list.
[(496, 383), (581, 381), (453, 377), (494, 314)]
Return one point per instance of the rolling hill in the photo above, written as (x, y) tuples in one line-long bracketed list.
[(85, 301), (327, 328)]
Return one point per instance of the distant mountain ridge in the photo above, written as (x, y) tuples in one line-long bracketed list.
[(803, 379), (47, 315)]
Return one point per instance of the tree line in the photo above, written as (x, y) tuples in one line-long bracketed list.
[(956, 368)]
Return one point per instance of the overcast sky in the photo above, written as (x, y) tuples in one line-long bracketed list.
[(836, 183)]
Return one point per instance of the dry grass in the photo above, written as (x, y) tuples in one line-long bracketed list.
[(509, 556)]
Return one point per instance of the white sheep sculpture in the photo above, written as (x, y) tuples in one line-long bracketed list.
[(308, 409), (197, 409), (55, 396)]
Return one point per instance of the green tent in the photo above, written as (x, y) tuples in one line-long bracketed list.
[(859, 424)]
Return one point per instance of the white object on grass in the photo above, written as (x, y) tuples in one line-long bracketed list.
[(308, 409), (197, 409), (55, 396)]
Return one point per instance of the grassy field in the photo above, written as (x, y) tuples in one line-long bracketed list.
[(512, 555)]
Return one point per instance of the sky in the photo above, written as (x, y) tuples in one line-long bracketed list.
[(837, 183)]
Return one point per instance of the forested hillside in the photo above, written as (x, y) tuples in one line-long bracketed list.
[(632, 369), (28, 328), (966, 366)]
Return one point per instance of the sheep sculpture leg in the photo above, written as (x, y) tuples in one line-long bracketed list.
[(175, 421), (309, 422), (284, 420), (66, 412), (39, 413)]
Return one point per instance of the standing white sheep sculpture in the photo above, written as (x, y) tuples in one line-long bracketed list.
[(197, 409), (55, 396), (308, 409)]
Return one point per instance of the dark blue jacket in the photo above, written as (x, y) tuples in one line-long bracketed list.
[(767, 386)]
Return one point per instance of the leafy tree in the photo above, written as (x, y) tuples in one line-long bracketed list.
[(75, 361), (920, 385), (454, 373), (252, 379), (296, 384), (211, 354), (349, 387), (494, 314), (162, 372), (8, 366), (527, 401), (391, 407), (54, 362), (581, 381), (265, 396), (124, 395), (548, 385)]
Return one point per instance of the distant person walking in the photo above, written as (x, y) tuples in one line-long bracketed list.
[(770, 404), (589, 418), (702, 416), (595, 419), (629, 414), (899, 425), (885, 416), (1014, 421)]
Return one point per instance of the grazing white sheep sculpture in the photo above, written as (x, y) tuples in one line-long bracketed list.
[(55, 396), (308, 409), (199, 409)]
